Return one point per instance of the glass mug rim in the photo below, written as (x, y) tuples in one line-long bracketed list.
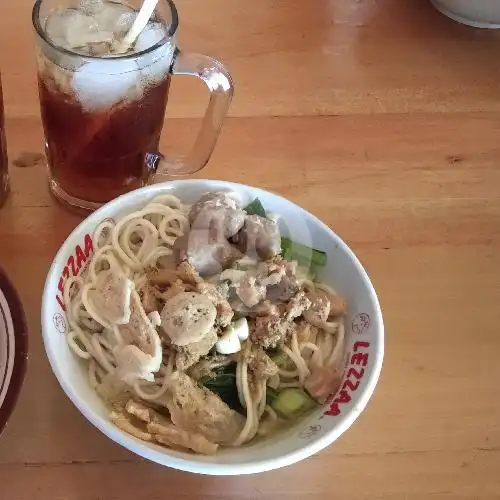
[(35, 18)]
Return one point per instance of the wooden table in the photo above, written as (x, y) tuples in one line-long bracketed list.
[(382, 118)]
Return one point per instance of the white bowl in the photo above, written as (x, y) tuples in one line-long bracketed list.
[(476, 13), (364, 338)]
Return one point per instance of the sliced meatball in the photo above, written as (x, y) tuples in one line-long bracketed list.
[(187, 318), (217, 210), (259, 237), (207, 250)]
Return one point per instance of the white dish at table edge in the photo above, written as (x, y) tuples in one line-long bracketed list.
[(13, 347), (364, 339)]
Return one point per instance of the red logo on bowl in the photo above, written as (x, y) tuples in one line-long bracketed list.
[(76, 262), (357, 360), (360, 323)]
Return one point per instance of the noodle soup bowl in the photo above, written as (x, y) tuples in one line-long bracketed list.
[(363, 350)]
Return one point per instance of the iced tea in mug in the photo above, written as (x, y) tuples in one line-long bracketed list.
[(103, 106)]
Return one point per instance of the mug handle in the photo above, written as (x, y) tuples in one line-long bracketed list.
[(221, 88)]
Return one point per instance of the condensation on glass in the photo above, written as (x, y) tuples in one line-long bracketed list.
[(4, 173)]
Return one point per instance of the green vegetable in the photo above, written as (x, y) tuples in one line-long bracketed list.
[(282, 360), (303, 254), (292, 403), (224, 385), (255, 208), (271, 395)]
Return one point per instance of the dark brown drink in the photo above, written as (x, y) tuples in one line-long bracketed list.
[(104, 69), (102, 108), (98, 155)]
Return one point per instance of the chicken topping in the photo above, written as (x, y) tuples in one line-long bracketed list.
[(148, 298), (188, 274), (323, 382), (261, 366), (207, 367), (187, 318), (297, 305), (286, 286), (161, 276), (265, 308), (250, 291), (188, 355), (273, 329), (274, 280), (269, 331), (323, 306), (139, 330), (176, 288), (140, 354), (218, 295), (338, 305)]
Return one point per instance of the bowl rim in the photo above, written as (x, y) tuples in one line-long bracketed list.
[(20, 349), (192, 464)]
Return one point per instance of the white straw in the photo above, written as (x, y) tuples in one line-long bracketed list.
[(140, 23)]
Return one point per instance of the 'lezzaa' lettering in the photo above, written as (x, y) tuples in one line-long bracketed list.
[(358, 359), (74, 265)]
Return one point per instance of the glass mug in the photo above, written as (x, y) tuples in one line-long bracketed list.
[(103, 114)]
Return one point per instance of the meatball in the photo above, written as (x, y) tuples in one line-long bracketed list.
[(217, 210), (207, 250), (259, 237)]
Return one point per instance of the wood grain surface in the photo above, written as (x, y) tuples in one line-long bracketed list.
[(381, 117)]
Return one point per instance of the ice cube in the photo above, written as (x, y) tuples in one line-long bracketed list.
[(124, 22), (86, 40), (117, 18), (102, 84), (80, 29), (56, 25), (149, 36), (91, 7), (155, 65)]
